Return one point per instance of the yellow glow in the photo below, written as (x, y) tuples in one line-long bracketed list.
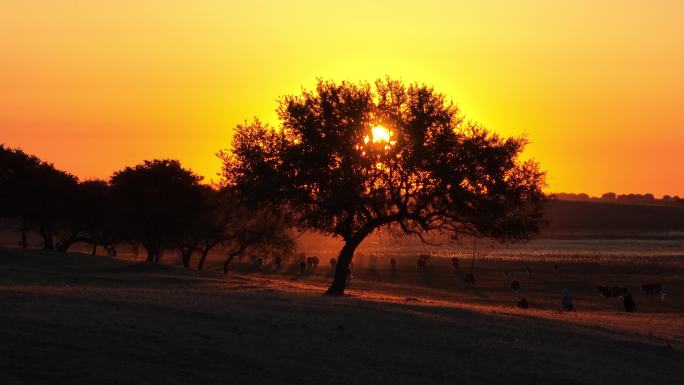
[(596, 85), (380, 134)]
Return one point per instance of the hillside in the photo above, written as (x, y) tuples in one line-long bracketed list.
[(576, 216)]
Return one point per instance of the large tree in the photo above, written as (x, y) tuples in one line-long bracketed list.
[(350, 159), (157, 203), (36, 193)]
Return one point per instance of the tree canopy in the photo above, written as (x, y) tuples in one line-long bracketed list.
[(35, 192), (157, 202), (349, 159)]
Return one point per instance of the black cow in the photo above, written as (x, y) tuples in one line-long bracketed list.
[(652, 289), (454, 264), (469, 278)]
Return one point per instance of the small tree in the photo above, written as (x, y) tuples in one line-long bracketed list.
[(253, 226), (91, 217), (350, 159), (207, 227)]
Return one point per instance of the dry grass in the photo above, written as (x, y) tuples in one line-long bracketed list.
[(71, 318)]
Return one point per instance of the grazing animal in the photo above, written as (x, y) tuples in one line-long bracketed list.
[(278, 263), (628, 302), (605, 291), (612, 292), (652, 289), (469, 278), (515, 285), (312, 263), (393, 263), (259, 262), (420, 264), (302, 267), (522, 304), (566, 303), (454, 264)]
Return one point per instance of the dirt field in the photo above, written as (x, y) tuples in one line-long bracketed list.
[(76, 319)]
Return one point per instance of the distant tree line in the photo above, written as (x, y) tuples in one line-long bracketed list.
[(157, 204), (611, 197)]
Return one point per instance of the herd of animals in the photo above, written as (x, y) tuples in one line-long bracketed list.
[(310, 264)]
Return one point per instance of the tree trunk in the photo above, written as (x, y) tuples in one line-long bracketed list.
[(203, 257), (46, 233), (342, 268), (24, 230), (186, 255), (231, 256), (152, 254)]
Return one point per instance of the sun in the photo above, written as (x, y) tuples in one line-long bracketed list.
[(380, 134)]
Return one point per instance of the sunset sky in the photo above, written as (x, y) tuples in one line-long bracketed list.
[(598, 86)]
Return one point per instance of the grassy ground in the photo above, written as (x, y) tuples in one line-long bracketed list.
[(77, 319)]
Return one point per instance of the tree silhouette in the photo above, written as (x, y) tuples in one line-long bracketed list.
[(429, 170), (259, 226), (156, 202), (35, 192), (91, 218)]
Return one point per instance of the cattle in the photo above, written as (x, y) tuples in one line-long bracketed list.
[(312, 263), (420, 264), (469, 278), (302, 267), (259, 262), (393, 263), (454, 264), (612, 292), (605, 291), (652, 289), (515, 285), (522, 304)]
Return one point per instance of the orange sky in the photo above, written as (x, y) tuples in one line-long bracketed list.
[(597, 85)]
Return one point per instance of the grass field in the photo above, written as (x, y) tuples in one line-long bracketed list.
[(69, 318)]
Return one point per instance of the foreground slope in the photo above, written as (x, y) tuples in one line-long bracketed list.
[(71, 318)]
